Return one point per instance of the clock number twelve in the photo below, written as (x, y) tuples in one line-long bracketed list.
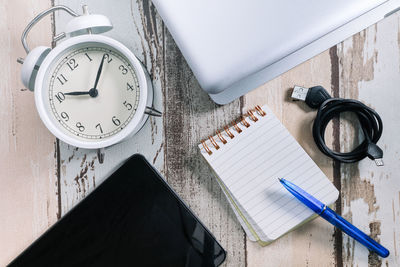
[(72, 64)]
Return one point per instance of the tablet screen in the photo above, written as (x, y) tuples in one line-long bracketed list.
[(132, 219)]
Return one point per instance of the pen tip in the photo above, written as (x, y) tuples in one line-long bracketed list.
[(280, 179)]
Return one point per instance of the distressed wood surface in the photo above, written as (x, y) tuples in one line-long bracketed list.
[(369, 70), (28, 190), (80, 170), (364, 67), (313, 243)]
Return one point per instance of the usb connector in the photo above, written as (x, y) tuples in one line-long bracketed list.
[(314, 96), (375, 153), (299, 93), (379, 162)]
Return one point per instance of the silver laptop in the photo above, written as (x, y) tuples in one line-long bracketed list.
[(235, 46)]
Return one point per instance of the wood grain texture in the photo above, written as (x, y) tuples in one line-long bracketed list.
[(364, 67), (370, 72), (136, 26), (313, 243), (28, 200), (190, 117)]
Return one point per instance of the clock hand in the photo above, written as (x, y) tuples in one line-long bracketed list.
[(92, 92), (99, 72), (78, 93)]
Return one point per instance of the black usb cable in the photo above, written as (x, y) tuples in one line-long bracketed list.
[(371, 123)]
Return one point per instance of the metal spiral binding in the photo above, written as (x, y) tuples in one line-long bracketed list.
[(237, 128), (228, 132), (213, 142), (260, 111), (244, 122), (250, 114), (221, 137), (206, 147)]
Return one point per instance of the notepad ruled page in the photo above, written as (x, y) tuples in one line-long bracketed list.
[(249, 166)]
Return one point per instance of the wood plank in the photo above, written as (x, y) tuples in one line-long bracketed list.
[(369, 71), (136, 27), (312, 244), (190, 117), (28, 189)]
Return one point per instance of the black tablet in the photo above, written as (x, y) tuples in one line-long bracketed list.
[(132, 219)]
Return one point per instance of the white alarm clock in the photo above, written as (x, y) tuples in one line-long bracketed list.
[(90, 90)]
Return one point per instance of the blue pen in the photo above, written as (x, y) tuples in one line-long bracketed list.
[(325, 212)]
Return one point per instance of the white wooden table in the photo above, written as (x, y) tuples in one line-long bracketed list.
[(42, 178)]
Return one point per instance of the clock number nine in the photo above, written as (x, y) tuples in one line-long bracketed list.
[(65, 116)]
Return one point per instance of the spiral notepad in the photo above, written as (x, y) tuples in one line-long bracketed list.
[(248, 157)]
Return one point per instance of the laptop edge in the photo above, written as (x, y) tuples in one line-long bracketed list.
[(257, 79)]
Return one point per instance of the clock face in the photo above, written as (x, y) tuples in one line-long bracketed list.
[(93, 92)]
